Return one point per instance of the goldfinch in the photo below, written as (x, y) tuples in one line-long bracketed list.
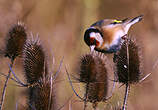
[(107, 35)]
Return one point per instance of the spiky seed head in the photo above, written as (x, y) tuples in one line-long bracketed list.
[(34, 61), (15, 40), (35, 67), (93, 73), (128, 62), (41, 95)]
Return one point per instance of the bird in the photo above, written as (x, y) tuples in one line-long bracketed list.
[(106, 36)]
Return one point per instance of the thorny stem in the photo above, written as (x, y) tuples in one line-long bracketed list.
[(16, 106), (113, 87), (86, 94), (72, 85), (87, 87), (9, 78), (56, 74), (126, 97), (5, 86), (70, 105), (17, 79), (50, 94), (127, 84)]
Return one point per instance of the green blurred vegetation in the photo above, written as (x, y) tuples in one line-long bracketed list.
[(61, 25)]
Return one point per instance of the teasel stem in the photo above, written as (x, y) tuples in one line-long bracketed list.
[(58, 70), (126, 97), (50, 98), (112, 90), (5, 85), (2, 74), (17, 79), (72, 85), (127, 84), (70, 105), (86, 95)]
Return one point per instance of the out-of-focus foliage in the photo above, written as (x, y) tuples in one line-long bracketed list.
[(61, 25)]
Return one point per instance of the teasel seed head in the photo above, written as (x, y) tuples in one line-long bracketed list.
[(41, 95), (128, 62), (34, 61), (15, 40), (94, 74)]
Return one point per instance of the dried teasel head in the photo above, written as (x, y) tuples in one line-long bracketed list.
[(15, 40), (35, 68), (34, 62), (128, 62), (41, 95), (94, 74)]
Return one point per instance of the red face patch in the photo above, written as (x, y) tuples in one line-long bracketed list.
[(93, 41), (97, 43)]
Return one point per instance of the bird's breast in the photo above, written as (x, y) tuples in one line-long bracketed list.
[(111, 37)]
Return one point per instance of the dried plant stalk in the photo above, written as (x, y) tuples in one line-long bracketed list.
[(5, 87)]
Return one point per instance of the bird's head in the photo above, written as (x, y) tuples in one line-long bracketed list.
[(93, 38)]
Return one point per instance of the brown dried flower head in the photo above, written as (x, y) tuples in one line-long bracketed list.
[(35, 68), (41, 95), (15, 40), (94, 73), (34, 62), (128, 62)]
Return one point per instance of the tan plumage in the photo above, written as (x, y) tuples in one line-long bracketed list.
[(107, 35)]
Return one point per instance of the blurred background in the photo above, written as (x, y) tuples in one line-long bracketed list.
[(61, 25)]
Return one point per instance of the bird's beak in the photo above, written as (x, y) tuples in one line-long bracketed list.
[(92, 48)]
